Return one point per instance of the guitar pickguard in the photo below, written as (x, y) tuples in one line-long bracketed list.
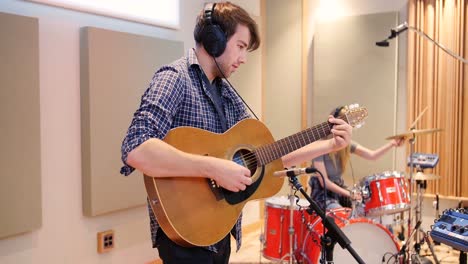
[(238, 197)]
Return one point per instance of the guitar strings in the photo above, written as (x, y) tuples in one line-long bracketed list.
[(251, 157), (294, 142)]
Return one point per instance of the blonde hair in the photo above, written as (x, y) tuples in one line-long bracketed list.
[(343, 155)]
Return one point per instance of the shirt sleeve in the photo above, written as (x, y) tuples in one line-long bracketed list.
[(319, 158), (153, 118)]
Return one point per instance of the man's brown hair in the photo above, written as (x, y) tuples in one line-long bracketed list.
[(228, 15)]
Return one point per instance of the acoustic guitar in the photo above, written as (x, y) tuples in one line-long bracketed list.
[(196, 211)]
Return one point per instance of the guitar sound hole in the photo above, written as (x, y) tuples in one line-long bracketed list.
[(247, 159)]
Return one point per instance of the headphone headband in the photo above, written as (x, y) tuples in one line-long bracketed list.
[(209, 10)]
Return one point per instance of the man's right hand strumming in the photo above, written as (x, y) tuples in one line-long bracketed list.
[(228, 174)]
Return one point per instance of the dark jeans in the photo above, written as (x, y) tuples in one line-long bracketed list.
[(171, 253)]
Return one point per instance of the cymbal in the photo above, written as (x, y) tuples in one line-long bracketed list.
[(420, 176), (415, 131)]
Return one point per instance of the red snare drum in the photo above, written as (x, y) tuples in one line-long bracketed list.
[(276, 244), (385, 193), (370, 240)]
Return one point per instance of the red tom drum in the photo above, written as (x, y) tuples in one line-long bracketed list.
[(385, 193)]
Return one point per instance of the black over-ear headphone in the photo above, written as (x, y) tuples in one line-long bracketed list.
[(212, 37)]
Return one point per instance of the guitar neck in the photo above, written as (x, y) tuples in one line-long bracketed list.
[(276, 150)]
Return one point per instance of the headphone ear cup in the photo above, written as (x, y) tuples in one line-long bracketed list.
[(214, 40)]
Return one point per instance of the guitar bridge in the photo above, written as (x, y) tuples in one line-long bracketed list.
[(214, 187)]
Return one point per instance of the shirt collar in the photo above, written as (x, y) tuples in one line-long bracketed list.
[(192, 58), (193, 63)]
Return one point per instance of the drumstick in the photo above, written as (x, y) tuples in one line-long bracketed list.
[(417, 119)]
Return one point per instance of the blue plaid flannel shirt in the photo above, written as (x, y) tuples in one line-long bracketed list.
[(177, 97)]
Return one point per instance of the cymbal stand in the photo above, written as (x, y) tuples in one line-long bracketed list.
[(418, 212), (421, 185), (411, 141)]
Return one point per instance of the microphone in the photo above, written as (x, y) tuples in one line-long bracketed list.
[(294, 172), (393, 33), (398, 29), (383, 43)]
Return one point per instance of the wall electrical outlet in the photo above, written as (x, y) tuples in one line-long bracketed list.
[(105, 241)]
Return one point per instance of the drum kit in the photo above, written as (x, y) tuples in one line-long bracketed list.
[(294, 234)]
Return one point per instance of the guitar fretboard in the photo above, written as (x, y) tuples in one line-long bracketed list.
[(268, 153)]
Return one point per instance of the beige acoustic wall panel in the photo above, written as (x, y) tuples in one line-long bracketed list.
[(350, 68), (20, 158), (283, 94), (116, 68)]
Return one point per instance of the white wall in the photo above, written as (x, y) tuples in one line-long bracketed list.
[(66, 236), (323, 10)]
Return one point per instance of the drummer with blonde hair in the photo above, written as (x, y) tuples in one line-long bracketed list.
[(333, 166)]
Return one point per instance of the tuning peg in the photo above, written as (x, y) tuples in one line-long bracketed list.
[(353, 106), (359, 125)]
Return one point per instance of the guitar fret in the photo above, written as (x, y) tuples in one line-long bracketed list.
[(307, 134), (321, 131), (291, 142), (272, 153), (328, 128), (314, 134), (291, 146), (281, 150), (300, 139), (264, 156), (318, 131), (304, 140), (324, 130)]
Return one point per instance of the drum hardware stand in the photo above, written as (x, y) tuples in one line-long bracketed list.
[(402, 253), (291, 231), (422, 184), (334, 231), (417, 229), (354, 213)]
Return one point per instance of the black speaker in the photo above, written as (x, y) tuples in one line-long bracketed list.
[(212, 37)]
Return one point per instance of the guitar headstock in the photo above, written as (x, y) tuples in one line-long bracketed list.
[(354, 115)]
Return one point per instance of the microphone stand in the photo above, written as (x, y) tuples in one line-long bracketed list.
[(328, 222), (394, 33)]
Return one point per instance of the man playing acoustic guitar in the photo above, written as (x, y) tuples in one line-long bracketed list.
[(193, 92)]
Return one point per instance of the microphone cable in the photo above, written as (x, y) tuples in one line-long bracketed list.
[(224, 76)]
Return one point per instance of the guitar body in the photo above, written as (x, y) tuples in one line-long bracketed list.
[(193, 211)]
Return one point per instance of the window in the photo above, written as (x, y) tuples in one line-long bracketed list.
[(154, 12)]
